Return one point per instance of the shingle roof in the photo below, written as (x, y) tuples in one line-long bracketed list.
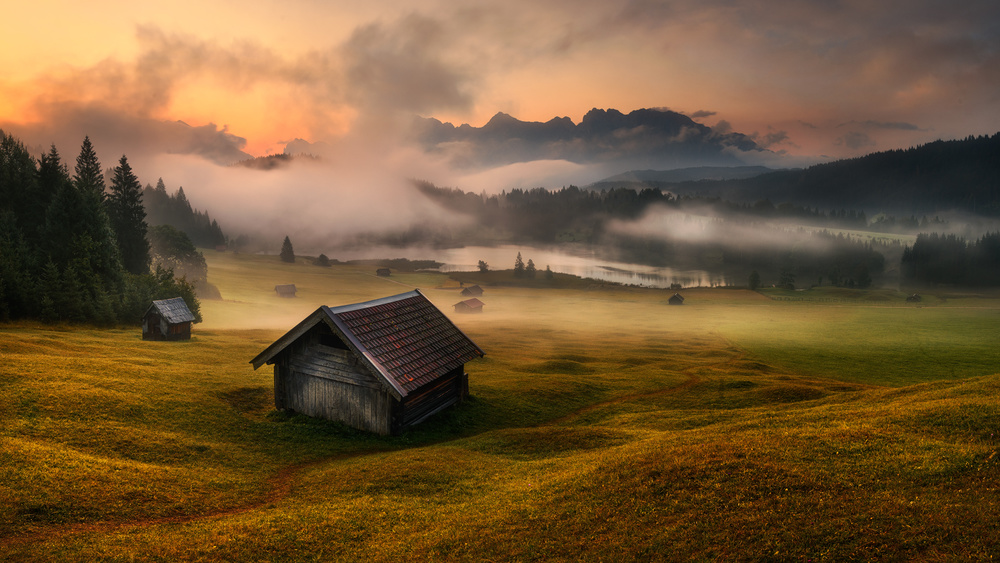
[(173, 310), (472, 290), (471, 303), (404, 338)]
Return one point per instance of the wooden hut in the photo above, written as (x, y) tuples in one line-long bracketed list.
[(676, 299), (472, 291), (380, 366), (167, 319), (285, 290), (383, 272), (469, 306)]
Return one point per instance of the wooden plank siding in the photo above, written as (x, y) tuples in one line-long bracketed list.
[(321, 381)]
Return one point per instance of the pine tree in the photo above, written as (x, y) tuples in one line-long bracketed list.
[(104, 260), (287, 254), (529, 270), (518, 266), (128, 218), (88, 178), (754, 280)]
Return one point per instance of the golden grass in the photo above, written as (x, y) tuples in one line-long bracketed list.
[(604, 425)]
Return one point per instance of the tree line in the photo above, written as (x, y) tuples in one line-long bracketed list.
[(72, 247), (163, 208), (950, 259)]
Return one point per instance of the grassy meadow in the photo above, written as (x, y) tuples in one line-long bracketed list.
[(604, 425)]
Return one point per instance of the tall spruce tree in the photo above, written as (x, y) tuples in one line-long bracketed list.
[(102, 265), (287, 254), (128, 218)]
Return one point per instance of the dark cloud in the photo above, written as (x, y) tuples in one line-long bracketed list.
[(894, 125), (114, 133), (855, 140), (771, 138), (702, 113), (402, 67)]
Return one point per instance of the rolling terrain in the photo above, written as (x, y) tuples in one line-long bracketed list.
[(603, 425)]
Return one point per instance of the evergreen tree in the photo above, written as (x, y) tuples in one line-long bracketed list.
[(529, 270), (287, 254), (53, 176), (753, 282), (88, 178), (128, 218), (518, 266), (483, 266), (548, 273), (104, 260), (322, 260)]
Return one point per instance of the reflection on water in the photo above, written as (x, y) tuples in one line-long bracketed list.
[(579, 262)]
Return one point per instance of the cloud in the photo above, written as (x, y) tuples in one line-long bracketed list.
[(855, 140), (702, 113), (894, 125)]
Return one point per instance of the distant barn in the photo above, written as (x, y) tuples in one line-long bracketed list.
[(469, 306), (383, 272), (472, 291), (167, 319), (381, 366), (285, 290), (676, 299)]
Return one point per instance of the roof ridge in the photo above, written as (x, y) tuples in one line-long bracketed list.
[(374, 302)]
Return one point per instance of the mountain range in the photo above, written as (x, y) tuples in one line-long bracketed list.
[(644, 138)]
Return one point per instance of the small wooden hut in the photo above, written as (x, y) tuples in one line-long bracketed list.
[(380, 366), (676, 299), (383, 272), (167, 319), (472, 291), (285, 290), (469, 306)]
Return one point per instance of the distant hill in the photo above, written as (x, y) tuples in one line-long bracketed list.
[(961, 175), (664, 178), (644, 138), (273, 161)]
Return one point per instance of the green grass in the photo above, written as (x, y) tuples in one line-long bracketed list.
[(603, 425)]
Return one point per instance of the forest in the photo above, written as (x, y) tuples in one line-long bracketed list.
[(75, 248), (943, 176)]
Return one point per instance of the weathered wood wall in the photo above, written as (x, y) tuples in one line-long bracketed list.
[(324, 382)]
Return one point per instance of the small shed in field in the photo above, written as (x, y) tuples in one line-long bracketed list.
[(469, 306), (381, 366), (383, 272), (472, 291), (676, 299), (167, 319), (285, 290)]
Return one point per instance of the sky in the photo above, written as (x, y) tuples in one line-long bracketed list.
[(218, 80)]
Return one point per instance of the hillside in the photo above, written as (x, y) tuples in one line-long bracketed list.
[(961, 175)]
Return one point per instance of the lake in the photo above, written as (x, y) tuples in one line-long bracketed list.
[(578, 261)]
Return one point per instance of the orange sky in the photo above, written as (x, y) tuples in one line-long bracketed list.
[(810, 80)]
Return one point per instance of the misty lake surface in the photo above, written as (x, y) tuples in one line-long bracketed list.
[(578, 261)]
